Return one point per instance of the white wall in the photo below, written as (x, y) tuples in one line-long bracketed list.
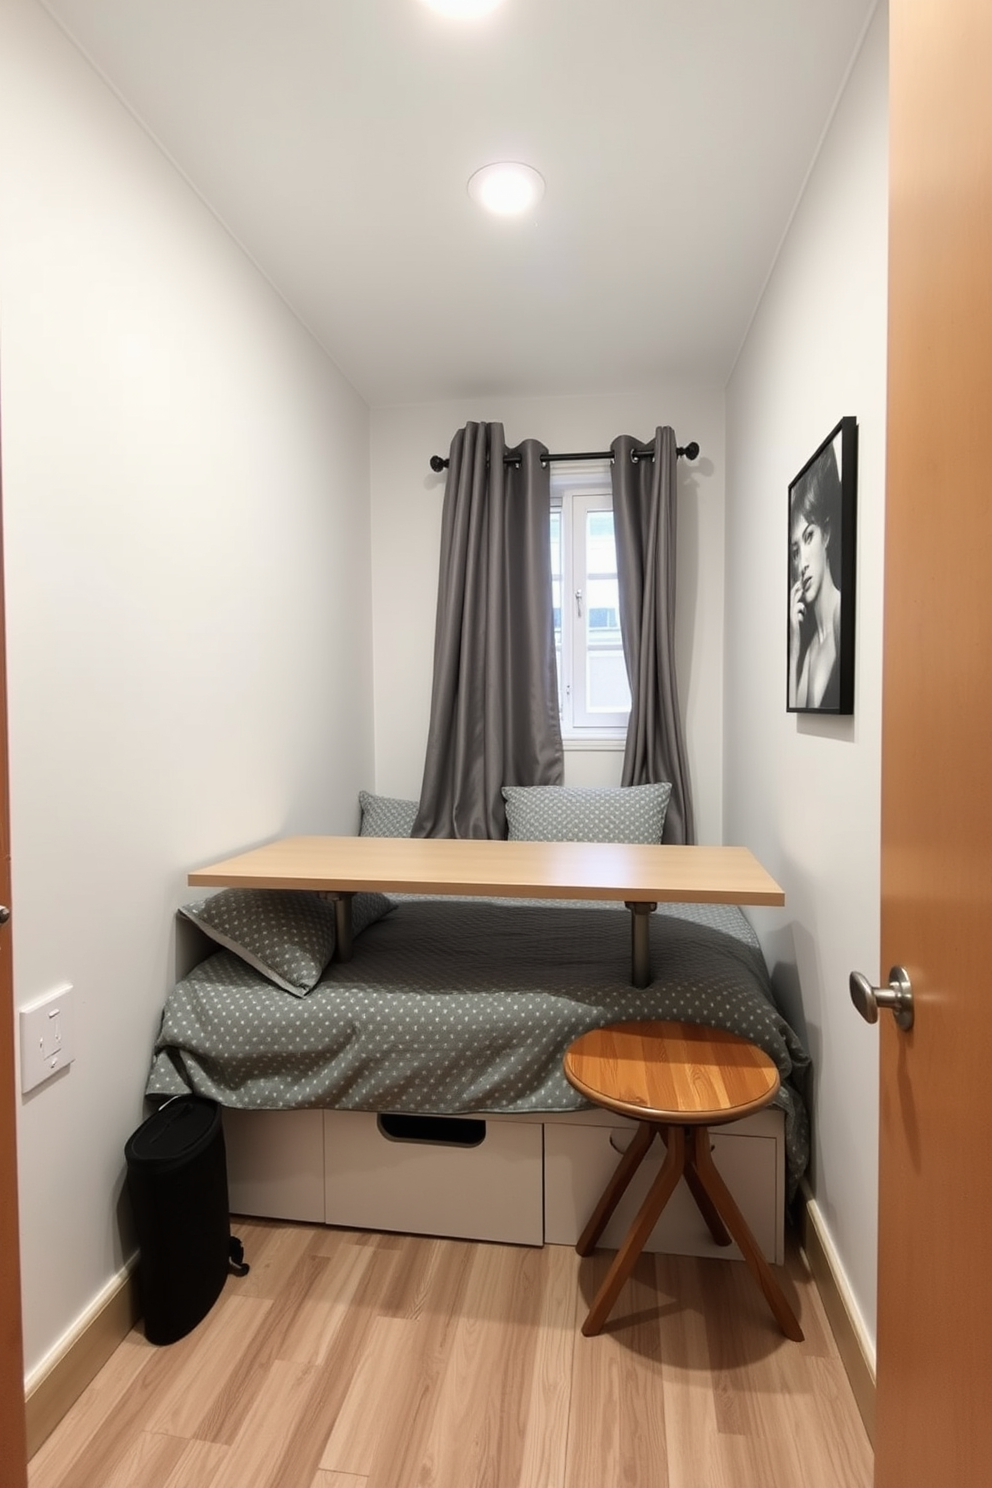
[(804, 793), (406, 524), (185, 482)]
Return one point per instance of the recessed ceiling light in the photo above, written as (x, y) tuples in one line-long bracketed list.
[(462, 7), (506, 187)]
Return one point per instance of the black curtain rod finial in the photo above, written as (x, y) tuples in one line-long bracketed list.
[(690, 451)]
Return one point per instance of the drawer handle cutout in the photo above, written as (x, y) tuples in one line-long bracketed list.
[(439, 1131)]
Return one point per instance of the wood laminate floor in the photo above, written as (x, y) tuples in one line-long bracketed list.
[(352, 1360)]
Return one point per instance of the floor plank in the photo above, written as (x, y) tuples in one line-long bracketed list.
[(617, 1432), (55, 1458), (197, 1467), (269, 1437), (147, 1461), (352, 1360), (546, 1412), (416, 1373)]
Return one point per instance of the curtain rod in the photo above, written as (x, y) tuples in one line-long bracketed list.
[(643, 452)]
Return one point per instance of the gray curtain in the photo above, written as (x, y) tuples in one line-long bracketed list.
[(645, 520), (494, 704)]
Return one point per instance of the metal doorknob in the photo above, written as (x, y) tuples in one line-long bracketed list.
[(898, 996), (4, 914)]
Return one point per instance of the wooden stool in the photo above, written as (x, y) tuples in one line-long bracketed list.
[(677, 1080)]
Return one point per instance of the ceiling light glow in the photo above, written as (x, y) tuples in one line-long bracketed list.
[(461, 8), (506, 187)]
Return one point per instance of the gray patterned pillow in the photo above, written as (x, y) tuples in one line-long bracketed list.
[(386, 816), (562, 813), (286, 934)]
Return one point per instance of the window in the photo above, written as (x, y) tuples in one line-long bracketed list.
[(593, 693)]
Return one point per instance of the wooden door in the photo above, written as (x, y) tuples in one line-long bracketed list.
[(935, 1282), (12, 1442)]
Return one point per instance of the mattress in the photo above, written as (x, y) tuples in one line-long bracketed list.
[(454, 1006)]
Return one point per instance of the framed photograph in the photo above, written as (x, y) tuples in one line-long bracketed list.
[(820, 613)]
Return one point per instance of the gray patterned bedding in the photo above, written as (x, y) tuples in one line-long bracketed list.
[(453, 1006)]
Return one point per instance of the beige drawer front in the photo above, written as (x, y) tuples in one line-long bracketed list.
[(578, 1162), (275, 1163), (492, 1191)]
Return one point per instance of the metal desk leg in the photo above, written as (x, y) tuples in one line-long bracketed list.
[(640, 973), (343, 940)]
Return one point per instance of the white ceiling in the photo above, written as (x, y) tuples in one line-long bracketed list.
[(335, 139)]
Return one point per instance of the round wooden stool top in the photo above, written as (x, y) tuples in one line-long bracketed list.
[(671, 1072)]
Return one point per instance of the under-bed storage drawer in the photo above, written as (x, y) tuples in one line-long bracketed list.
[(275, 1163), (394, 1174), (580, 1157)]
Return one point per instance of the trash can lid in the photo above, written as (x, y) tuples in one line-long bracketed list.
[(175, 1132)]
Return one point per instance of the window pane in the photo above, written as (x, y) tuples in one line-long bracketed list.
[(604, 611), (607, 689), (601, 551), (592, 676)]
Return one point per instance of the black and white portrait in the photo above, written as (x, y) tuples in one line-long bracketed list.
[(821, 577)]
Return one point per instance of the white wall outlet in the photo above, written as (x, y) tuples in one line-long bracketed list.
[(47, 1037)]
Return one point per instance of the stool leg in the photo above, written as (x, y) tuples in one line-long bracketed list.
[(614, 1190), (701, 1159), (637, 1236), (704, 1203)]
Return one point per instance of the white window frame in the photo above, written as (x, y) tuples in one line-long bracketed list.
[(577, 489)]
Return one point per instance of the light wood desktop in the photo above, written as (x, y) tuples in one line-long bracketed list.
[(639, 876)]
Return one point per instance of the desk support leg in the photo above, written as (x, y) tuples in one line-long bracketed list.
[(640, 941), (343, 942)]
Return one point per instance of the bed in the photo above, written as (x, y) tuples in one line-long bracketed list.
[(355, 1092)]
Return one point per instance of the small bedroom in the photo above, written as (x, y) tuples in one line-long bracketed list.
[(448, 456)]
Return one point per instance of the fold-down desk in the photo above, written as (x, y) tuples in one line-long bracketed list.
[(640, 876)]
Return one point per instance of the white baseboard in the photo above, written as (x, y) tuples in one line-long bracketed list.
[(55, 1384), (856, 1348)]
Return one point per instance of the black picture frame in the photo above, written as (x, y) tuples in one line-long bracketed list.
[(822, 540)]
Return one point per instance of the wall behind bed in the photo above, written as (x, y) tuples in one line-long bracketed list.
[(406, 524), (803, 792), (188, 607)]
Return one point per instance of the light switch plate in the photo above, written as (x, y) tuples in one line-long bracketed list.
[(47, 1037)]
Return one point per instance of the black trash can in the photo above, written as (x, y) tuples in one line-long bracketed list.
[(177, 1181)]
